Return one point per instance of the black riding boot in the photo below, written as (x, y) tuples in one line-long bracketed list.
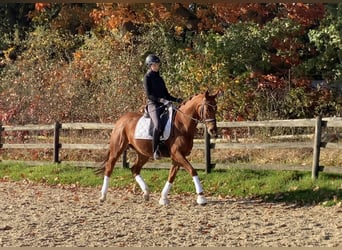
[(155, 144)]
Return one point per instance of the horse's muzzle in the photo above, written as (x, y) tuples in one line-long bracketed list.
[(211, 128)]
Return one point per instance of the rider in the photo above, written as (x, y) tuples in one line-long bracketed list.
[(158, 96)]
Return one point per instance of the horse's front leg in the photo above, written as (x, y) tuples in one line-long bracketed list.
[(172, 175), (181, 160), (201, 200)]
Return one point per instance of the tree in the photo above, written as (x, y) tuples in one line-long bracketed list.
[(327, 40), (91, 56)]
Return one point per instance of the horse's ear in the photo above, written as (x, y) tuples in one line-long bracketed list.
[(218, 92), (206, 94)]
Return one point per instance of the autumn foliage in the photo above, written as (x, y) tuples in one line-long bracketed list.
[(85, 62)]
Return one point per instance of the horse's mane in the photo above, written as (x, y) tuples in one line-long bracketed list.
[(189, 99)]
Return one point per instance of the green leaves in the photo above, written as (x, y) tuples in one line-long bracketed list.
[(327, 39)]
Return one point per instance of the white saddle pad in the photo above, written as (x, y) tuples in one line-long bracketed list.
[(143, 125)]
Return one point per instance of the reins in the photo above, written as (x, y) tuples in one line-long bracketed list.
[(202, 120), (192, 118)]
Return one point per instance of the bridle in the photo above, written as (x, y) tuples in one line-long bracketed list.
[(202, 118)]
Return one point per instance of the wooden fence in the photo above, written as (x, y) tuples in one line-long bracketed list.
[(207, 144)]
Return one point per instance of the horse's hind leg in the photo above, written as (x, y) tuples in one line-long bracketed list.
[(118, 144), (136, 168)]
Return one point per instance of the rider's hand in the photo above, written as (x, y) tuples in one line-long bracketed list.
[(164, 101)]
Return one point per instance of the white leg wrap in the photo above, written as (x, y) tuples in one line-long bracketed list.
[(105, 185), (198, 185), (201, 200), (166, 189), (141, 183), (163, 199)]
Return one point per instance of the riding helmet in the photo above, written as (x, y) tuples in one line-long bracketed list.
[(150, 59)]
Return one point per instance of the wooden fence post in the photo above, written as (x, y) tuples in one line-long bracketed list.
[(207, 151), (317, 147), (56, 144), (125, 164), (1, 129)]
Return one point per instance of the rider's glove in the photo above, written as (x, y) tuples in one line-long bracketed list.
[(179, 100), (164, 101)]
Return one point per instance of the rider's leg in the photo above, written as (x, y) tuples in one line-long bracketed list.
[(154, 114), (155, 144)]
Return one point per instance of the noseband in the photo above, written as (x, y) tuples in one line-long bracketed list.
[(202, 118)]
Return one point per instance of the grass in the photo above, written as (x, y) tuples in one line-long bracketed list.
[(269, 185)]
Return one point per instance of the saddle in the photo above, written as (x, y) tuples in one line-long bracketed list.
[(144, 128)]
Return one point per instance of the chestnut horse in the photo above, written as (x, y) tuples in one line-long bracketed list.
[(199, 108)]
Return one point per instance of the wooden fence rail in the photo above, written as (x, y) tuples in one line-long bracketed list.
[(207, 144)]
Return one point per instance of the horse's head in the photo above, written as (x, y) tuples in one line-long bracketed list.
[(207, 112)]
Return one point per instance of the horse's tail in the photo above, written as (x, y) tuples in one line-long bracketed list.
[(99, 170)]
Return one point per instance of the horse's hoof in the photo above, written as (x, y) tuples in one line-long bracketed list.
[(164, 201), (146, 196), (201, 200), (103, 198)]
